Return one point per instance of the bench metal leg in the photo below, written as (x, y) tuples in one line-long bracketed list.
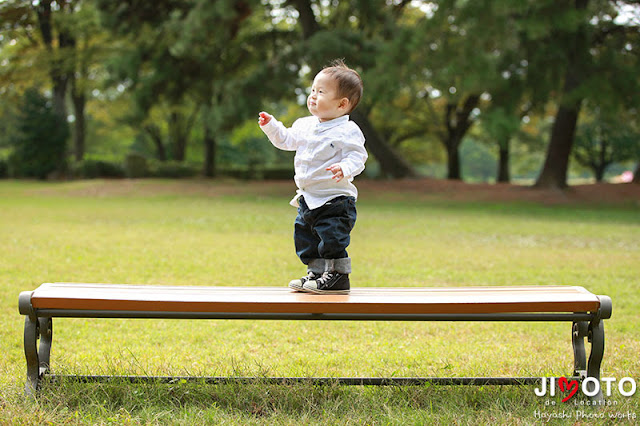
[(580, 331), (38, 358), (46, 338), (596, 337), (31, 335)]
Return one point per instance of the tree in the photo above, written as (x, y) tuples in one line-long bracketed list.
[(604, 138), (87, 48), (57, 38), (450, 61), (501, 124), (355, 30), (146, 65), (194, 58), (595, 50), (34, 23), (540, 50)]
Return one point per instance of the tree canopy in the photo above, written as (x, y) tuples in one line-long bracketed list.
[(522, 81)]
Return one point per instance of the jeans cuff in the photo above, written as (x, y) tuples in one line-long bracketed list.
[(341, 266), (317, 266)]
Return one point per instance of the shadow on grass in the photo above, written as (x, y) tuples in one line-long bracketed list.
[(265, 403), (118, 401), (257, 400)]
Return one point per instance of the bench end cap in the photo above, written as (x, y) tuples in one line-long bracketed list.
[(24, 303), (606, 306)]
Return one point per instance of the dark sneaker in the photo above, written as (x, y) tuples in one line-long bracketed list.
[(328, 283), (297, 284)]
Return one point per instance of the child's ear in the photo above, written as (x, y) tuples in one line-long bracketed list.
[(344, 103)]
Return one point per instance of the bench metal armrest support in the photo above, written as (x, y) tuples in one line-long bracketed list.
[(35, 328)]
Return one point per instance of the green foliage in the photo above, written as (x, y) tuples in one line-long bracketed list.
[(253, 149), (478, 163), (604, 139), (41, 139)]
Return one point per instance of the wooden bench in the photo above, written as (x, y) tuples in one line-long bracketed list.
[(583, 309)]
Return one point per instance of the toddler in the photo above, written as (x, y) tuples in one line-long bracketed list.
[(329, 153)]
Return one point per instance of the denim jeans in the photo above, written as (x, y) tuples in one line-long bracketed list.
[(324, 233)]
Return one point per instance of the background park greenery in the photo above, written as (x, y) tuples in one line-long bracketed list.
[(493, 90)]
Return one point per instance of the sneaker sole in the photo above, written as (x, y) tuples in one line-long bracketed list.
[(314, 291), (297, 288)]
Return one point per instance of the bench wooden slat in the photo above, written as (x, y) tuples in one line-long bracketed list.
[(361, 300)]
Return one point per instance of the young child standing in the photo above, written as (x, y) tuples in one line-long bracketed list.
[(329, 153)]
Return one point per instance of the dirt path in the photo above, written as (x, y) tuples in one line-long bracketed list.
[(422, 189), (458, 191)]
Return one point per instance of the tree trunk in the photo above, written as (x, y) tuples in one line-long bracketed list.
[(603, 159), (209, 154), (176, 142), (58, 69), (636, 174), (556, 165), (307, 18), (79, 134), (457, 122), (179, 130), (453, 160), (554, 172), (209, 144), (598, 171), (391, 163), (156, 137), (504, 175), (57, 73)]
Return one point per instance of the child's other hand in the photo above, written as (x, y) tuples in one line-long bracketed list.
[(264, 118), (337, 172)]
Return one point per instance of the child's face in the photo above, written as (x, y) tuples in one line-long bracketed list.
[(323, 102)]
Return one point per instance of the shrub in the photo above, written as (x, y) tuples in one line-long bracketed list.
[(92, 169), (173, 170), (235, 173), (41, 140), (268, 173), (135, 166), (283, 173)]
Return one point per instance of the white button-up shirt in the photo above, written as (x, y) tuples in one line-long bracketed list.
[(318, 146)]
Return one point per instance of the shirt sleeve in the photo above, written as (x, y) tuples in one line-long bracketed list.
[(354, 153), (282, 137)]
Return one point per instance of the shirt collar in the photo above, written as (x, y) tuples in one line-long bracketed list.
[(326, 125)]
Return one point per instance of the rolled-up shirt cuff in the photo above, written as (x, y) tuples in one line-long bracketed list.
[(346, 171)]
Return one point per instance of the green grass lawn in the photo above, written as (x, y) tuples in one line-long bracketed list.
[(227, 233)]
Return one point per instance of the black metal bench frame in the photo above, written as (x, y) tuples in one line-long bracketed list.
[(589, 325)]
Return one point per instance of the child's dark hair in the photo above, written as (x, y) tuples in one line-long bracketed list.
[(349, 82)]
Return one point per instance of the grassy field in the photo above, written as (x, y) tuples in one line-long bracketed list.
[(228, 233)]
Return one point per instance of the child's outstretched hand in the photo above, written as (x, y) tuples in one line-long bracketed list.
[(337, 172), (264, 118)]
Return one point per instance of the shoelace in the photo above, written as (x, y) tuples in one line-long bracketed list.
[(325, 277), (310, 277)]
